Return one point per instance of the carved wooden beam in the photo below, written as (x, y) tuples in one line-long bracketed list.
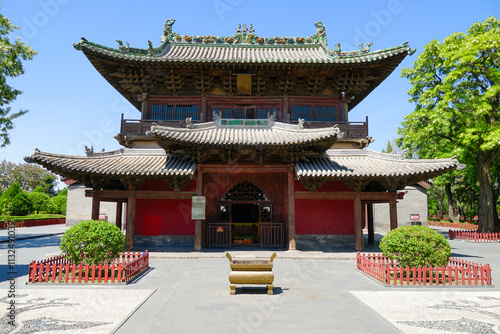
[(357, 185), (177, 182), (131, 183), (260, 83), (394, 183), (203, 83), (312, 183), (229, 156), (98, 182)]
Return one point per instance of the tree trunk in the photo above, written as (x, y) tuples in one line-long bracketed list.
[(452, 207), (440, 206), (487, 207), (496, 194)]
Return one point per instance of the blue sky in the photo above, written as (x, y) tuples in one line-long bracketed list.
[(70, 105)]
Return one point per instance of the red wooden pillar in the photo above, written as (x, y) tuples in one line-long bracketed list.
[(198, 223), (292, 243), (118, 216), (358, 222), (371, 230), (393, 212), (130, 219), (96, 201)]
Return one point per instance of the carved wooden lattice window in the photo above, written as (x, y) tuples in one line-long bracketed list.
[(245, 191), (170, 112), (314, 113)]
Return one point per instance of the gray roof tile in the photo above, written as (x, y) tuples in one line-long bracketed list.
[(347, 164), (279, 134), (122, 162)]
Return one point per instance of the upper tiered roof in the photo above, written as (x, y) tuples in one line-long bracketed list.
[(242, 47), (243, 50)]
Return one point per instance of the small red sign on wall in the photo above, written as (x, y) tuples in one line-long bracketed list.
[(414, 217), (220, 229)]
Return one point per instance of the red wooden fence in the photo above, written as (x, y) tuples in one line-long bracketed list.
[(457, 272), (59, 270), (454, 225), (475, 236), (35, 222)]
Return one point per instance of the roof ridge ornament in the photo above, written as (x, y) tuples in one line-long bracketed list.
[(189, 123), (321, 32), (167, 29), (122, 47), (216, 116), (365, 49), (300, 126), (271, 117)]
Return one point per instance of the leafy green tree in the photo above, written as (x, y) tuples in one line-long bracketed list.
[(29, 176), (15, 201), (39, 201), (11, 56), (63, 192), (57, 204), (100, 241), (388, 148), (456, 89)]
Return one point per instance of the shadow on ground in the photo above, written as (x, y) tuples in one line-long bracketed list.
[(6, 272)]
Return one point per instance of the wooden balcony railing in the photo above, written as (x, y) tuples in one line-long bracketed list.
[(350, 129), (141, 126)]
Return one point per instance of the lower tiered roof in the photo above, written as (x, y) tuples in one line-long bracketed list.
[(370, 169), (360, 169), (118, 168)]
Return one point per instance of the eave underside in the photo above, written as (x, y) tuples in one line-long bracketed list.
[(132, 78)]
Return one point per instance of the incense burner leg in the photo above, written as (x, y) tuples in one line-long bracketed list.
[(232, 289), (270, 289)]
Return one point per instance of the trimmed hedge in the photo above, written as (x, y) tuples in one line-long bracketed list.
[(100, 241), (416, 246)]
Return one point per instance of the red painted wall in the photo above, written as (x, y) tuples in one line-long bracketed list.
[(324, 216), (163, 217)]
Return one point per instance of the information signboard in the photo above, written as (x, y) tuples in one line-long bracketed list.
[(198, 207)]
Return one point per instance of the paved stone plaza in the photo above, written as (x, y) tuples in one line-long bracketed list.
[(187, 292)]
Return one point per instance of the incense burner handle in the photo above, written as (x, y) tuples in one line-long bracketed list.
[(273, 256)]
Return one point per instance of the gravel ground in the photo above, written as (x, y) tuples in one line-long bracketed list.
[(438, 312), (70, 310)]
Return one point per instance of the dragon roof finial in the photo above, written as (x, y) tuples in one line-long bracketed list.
[(320, 31), (167, 28)]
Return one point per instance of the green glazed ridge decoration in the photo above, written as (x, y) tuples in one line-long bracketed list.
[(244, 37)]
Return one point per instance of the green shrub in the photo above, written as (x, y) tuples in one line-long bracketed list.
[(416, 246), (15, 201), (57, 204), (39, 201), (100, 241), (63, 192)]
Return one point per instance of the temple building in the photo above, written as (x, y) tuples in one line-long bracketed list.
[(243, 140)]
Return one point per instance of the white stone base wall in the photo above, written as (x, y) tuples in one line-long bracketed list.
[(414, 202), (79, 207)]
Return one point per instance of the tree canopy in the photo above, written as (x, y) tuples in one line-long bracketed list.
[(12, 53), (456, 90), (29, 177)]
